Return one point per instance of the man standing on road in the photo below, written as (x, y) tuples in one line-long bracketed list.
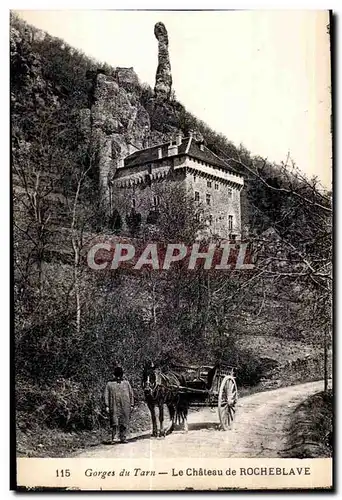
[(119, 401)]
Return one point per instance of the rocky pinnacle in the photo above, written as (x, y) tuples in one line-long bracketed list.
[(162, 89)]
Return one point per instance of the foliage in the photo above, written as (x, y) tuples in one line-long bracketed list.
[(311, 428)]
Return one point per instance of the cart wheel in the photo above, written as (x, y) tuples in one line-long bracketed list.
[(227, 401)]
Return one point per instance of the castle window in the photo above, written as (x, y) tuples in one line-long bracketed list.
[(216, 186), (149, 168), (209, 184), (230, 222), (210, 220), (197, 196), (208, 199), (230, 193), (133, 203), (199, 216)]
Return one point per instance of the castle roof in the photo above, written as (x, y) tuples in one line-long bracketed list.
[(188, 146)]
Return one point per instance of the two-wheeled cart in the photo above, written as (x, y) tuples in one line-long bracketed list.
[(211, 386)]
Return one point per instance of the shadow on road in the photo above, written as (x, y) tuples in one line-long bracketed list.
[(129, 440), (204, 425), (192, 427)]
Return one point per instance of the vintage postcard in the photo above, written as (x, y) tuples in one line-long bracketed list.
[(172, 249)]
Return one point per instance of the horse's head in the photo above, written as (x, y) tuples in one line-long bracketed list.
[(150, 378)]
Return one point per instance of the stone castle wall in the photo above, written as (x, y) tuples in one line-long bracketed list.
[(144, 183), (137, 189), (224, 201)]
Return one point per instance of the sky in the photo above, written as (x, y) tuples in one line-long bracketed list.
[(261, 78)]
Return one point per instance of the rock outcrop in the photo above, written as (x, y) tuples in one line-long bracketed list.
[(162, 89), (126, 76), (118, 122)]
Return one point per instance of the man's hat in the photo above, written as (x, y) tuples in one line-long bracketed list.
[(118, 372)]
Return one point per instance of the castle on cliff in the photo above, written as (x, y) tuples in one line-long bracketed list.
[(207, 178), (210, 180)]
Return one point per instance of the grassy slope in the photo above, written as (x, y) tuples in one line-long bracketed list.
[(310, 428), (45, 442), (279, 349)]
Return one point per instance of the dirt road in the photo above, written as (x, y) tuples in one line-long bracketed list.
[(258, 430)]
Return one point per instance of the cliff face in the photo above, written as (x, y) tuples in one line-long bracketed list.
[(118, 123)]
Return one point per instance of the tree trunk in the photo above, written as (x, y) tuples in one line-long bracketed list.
[(154, 304), (77, 290), (326, 370)]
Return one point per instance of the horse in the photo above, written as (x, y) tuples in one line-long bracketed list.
[(162, 388)]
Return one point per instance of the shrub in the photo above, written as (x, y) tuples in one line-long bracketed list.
[(64, 404)]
